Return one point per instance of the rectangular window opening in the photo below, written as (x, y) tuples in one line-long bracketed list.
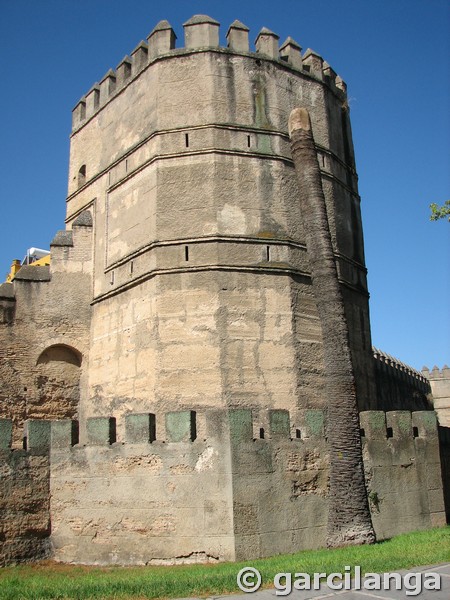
[(415, 432), (389, 432), (186, 139), (186, 253), (249, 142), (131, 267), (268, 253), (111, 278)]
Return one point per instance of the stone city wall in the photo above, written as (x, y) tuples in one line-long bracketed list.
[(253, 484), (44, 332), (399, 386), (24, 494)]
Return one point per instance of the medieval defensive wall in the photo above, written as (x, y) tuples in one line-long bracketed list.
[(173, 343)]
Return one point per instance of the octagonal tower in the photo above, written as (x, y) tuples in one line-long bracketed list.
[(201, 283)]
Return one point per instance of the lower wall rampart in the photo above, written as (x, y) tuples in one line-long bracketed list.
[(403, 471), (24, 495), (254, 485)]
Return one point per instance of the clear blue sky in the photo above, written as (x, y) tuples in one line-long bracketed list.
[(394, 56)]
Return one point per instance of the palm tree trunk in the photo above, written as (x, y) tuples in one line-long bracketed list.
[(349, 520)]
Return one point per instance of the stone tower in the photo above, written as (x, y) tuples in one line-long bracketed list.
[(201, 292), (167, 365)]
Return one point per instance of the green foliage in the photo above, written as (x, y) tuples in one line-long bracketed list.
[(53, 581), (440, 212), (375, 500)]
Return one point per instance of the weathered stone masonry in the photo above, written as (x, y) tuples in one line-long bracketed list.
[(174, 340), (140, 500)]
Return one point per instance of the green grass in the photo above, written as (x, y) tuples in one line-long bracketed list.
[(49, 580)]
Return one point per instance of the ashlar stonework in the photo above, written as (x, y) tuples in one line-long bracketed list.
[(173, 345)]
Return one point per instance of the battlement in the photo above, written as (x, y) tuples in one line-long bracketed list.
[(242, 425), (201, 33), (436, 373), (254, 473), (389, 363), (439, 380), (180, 426), (398, 424)]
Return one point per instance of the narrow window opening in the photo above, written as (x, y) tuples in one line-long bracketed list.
[(111, 280), (24, 442), (186, 139), (131, 267), (298, 434), (249, 142), (268, 253), (323, 160), (126, 165), (415, 432), (389, 432), (362, 433), (82, 175), (261, 433), (186, 253)]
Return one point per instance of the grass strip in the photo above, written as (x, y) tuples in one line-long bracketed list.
[(55, 581)]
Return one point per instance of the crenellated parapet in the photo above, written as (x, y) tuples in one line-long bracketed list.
[(24, 493), (399, 386), (439, 380), (436, 374), (403, 470), (216, 484), (201, 33), (389, 363)]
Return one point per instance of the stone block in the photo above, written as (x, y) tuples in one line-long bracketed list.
[(426, 423), (241, 426), (314, 423), (438, 519), (313, 62), (100, 431), (400, 423), (181, 426), (64, 433), (436, 501), (267, 43), (291, 52), (216, 423), (139, 56), (93, 100), (373, 422), (252, 458), (140, 428), (237, 37), (37, 433), (107, 85), (201, 31), (161, 39), (5, 434), (279, 425), (433, 475)]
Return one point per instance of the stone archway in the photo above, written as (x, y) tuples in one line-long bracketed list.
[(57, 383)]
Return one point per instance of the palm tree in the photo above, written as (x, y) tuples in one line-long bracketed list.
[(349, 520)]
